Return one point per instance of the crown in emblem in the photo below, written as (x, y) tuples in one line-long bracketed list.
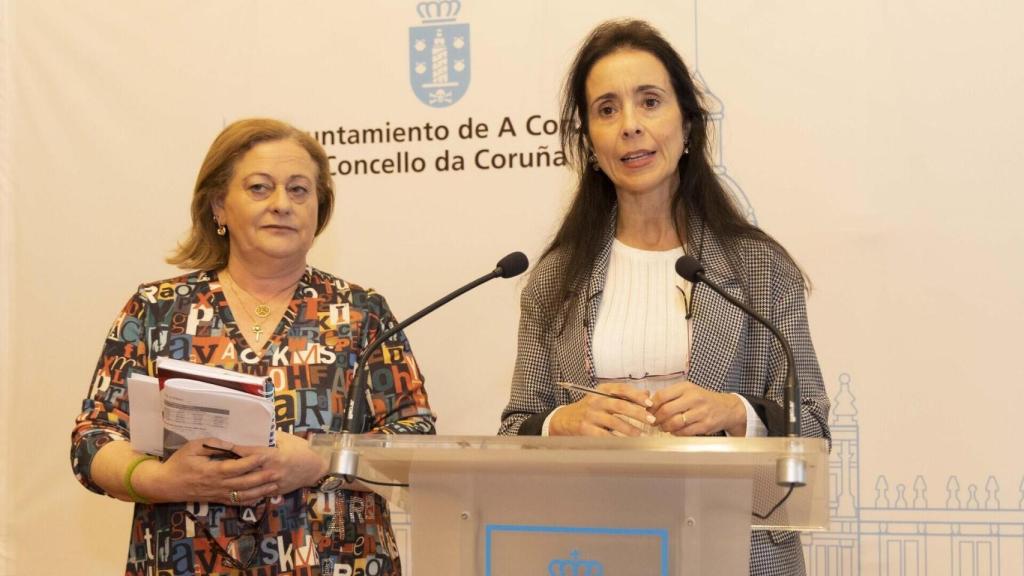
[(435, 10), (573, 566)]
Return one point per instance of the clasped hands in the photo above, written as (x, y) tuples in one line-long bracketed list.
[(198, 473), (681, 409)]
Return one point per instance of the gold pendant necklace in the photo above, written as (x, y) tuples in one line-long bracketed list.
[(262, 310)]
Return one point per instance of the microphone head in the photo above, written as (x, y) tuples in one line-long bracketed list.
[(690, 268), (512, 265)]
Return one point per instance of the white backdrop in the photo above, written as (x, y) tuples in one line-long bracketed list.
[(6, 296), (876, 140)]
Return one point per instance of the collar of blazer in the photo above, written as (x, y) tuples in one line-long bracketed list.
[(573, 352), (717, 324)]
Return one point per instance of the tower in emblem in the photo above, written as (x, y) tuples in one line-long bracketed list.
[(439, 54)]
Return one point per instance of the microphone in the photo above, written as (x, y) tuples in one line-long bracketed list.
[(790, 471), (360, 398), (512, 265)]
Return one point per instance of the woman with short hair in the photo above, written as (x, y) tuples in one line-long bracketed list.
[(253, 305)]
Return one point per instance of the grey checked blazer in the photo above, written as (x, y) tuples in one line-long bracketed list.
[(731, 353)]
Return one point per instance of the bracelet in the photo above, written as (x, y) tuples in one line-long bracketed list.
[(135, 496)]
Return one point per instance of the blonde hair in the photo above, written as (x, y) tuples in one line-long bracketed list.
[(204, 249)]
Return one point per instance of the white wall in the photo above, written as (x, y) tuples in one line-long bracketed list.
[(877, 141), (6, 296)]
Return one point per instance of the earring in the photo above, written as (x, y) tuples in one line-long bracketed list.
[(593, 162), (221, 229), (686, 147)]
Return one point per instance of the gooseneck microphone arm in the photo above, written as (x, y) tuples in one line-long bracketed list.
[(790, 471), (355, 414), (356, 411), (360, 398)]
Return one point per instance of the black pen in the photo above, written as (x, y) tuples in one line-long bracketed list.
[(223, 452)]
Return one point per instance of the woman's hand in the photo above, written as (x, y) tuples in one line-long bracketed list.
[(292, 463), (686, 409), (197, 474), (601, 416)]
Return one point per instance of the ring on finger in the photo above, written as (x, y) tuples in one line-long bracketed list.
[(234, 497), (684, 418)]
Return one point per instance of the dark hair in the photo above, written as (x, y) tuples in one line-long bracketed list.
[(699, 192), (203, 249)]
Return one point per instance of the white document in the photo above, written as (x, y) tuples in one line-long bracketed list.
[(194, 409), (145, 425)]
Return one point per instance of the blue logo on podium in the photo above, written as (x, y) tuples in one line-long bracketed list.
[(573, 566), (508, 540), (439, 54)]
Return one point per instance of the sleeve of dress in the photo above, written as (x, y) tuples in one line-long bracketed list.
[(533, 391), (789, 314), (400, 404), (105, 414)]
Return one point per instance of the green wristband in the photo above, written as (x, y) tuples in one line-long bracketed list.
[(135, 496)]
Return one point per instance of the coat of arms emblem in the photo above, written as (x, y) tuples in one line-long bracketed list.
[(439, 54)]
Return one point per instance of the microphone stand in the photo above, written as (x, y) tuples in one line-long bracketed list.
[(790, 470), (345, 462), (355, 422)]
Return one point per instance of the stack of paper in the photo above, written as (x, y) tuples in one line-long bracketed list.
[(189, 401)]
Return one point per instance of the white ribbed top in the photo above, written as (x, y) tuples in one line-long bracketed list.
[(641, 326)]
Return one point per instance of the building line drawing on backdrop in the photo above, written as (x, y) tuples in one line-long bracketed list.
[(902, 529), (716, 114)]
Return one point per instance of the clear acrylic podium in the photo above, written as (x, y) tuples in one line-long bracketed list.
[(495, 506)]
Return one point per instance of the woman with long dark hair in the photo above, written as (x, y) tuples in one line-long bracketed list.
[(604, 308)]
